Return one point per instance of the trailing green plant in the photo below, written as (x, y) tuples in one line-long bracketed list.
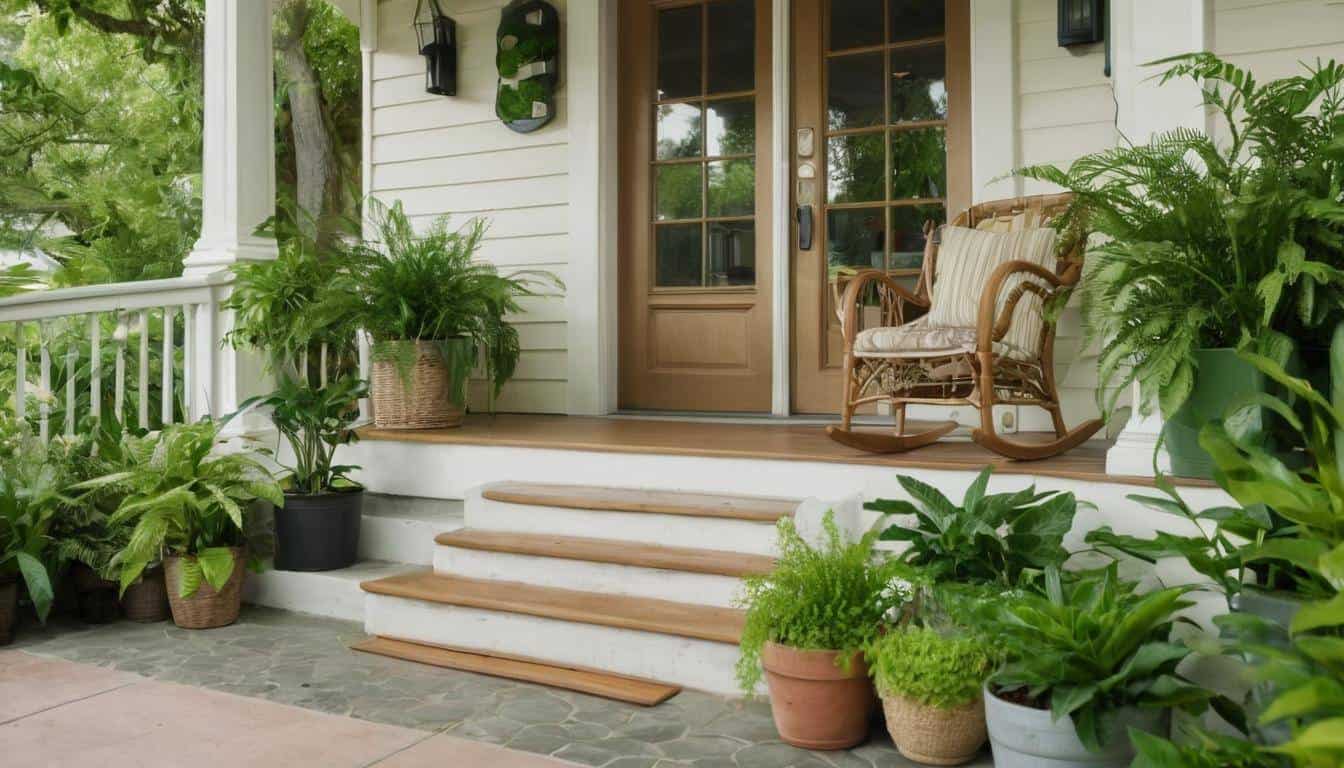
[(1211, 244), (832, 597), (932, 668), (315, 421), (188, 498), (29, 498), (429, 288), (1089, 646), (988, 538)]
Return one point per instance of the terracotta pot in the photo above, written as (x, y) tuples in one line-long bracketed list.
[(932, 735), (207, 608), (816, 704), (9, 607), (146, 600)]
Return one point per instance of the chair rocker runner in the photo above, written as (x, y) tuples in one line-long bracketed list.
[(973, 332)]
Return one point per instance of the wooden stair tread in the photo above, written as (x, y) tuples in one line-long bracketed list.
[(633, 690), (722, 625), (686, 559), (753, 508)]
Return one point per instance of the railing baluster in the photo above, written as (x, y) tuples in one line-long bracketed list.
[(362, 341), (167, 410), (71, 361), (20, 373), (142, 374), (322, 374), (189, 370), (303, 365), (95, 367), (119, 384), (43, 382)]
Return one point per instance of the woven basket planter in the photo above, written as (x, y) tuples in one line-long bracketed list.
[(935, 736), (207, 608), (146, 600), (9, 607), (423, 400)]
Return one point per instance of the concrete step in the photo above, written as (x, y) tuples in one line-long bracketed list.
[(402, 528), (697, 576), (333, 594)]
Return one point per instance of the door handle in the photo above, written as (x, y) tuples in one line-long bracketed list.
[(804, 218)]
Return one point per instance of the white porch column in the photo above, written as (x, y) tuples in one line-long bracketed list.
[(238, 188), (1144, 31)]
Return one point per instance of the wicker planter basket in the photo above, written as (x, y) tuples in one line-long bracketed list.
[(146, 600), (9, 607), (207, 608), (935, 736), (423, 401)]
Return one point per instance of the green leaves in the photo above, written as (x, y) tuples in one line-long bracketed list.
[(315, 421), (935, 669)]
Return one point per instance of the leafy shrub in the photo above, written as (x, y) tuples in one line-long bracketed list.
[(932, 668), (835, 597), (315, 421), (29, 499), (993, 538)]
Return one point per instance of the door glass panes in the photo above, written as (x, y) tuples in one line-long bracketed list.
[(886, 125), (704, 167)]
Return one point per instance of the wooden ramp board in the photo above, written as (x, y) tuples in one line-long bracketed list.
[(632, 690), (723, 625), (685, 559), (755, 509)]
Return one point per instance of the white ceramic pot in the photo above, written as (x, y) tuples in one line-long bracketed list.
[(1025, 737)]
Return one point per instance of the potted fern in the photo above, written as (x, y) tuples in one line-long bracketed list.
[(1210, 246), (433, 313), (190, 503), (807, 624)]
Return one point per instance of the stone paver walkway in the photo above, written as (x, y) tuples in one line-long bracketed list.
[(303, 661)]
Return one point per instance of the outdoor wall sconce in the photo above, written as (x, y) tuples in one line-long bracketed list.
[(437, 36), (1082, 22)]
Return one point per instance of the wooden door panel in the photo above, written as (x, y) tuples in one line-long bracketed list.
[(694, 245)]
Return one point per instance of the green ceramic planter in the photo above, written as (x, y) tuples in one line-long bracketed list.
[(1220, 379)]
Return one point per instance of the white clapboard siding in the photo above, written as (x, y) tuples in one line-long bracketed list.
[(1273, 38), (451, 156)]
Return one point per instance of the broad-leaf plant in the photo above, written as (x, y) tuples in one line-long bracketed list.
[(315, 420), (30, 496)]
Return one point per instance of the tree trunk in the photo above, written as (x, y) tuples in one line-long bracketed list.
[(313, 153)]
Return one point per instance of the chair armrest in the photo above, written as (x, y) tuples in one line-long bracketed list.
[(992, 325), (894, 299)]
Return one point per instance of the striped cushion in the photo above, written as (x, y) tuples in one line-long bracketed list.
[(966, 259)]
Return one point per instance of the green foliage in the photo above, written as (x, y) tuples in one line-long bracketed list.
[(29, 499), (186, 497), (1089, 646), (428, 288), (18, 279), (835, 597), (1209, 245), (932, 668), (315, 421), (82, 528), (995, 538)]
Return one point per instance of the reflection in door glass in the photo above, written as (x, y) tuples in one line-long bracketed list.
[(918, 83), (732, 52), (918, 163), (854, 91), (855, 237), (678, 191), (732, 253), (680, 131), (730, 127), (679, 251), (855, 23), (732, 188), (854, 164), (907, 233), (916, 19), (679, 52)]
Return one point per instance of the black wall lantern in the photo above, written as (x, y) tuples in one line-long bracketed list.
[(1083, 22), (437, 35)]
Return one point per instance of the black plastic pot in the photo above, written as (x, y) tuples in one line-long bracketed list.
[(318, 532)]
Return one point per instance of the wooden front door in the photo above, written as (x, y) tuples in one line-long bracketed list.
[(694, 246), (881, 118)]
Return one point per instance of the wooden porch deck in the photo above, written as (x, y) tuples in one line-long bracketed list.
[(785, 440)]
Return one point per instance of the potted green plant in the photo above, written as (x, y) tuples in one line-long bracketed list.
[(989, 538), (1211, 244), (433, 314), (317, 527), (806, 626), (191, 505), (29, 496), (930, 682), (1088, 658)]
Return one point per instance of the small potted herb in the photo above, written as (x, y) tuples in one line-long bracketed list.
[(317, 527), (807, 624), (1088, 659), (191, 506), (930, 683)]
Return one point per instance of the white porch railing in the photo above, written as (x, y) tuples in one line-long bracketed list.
[(75, 315)]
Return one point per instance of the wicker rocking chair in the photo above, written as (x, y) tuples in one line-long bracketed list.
[(977, 338)]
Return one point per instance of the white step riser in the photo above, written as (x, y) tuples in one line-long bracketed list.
[(665, 530), (607, 578), (404, 539), (698, 664), (333, 594)]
